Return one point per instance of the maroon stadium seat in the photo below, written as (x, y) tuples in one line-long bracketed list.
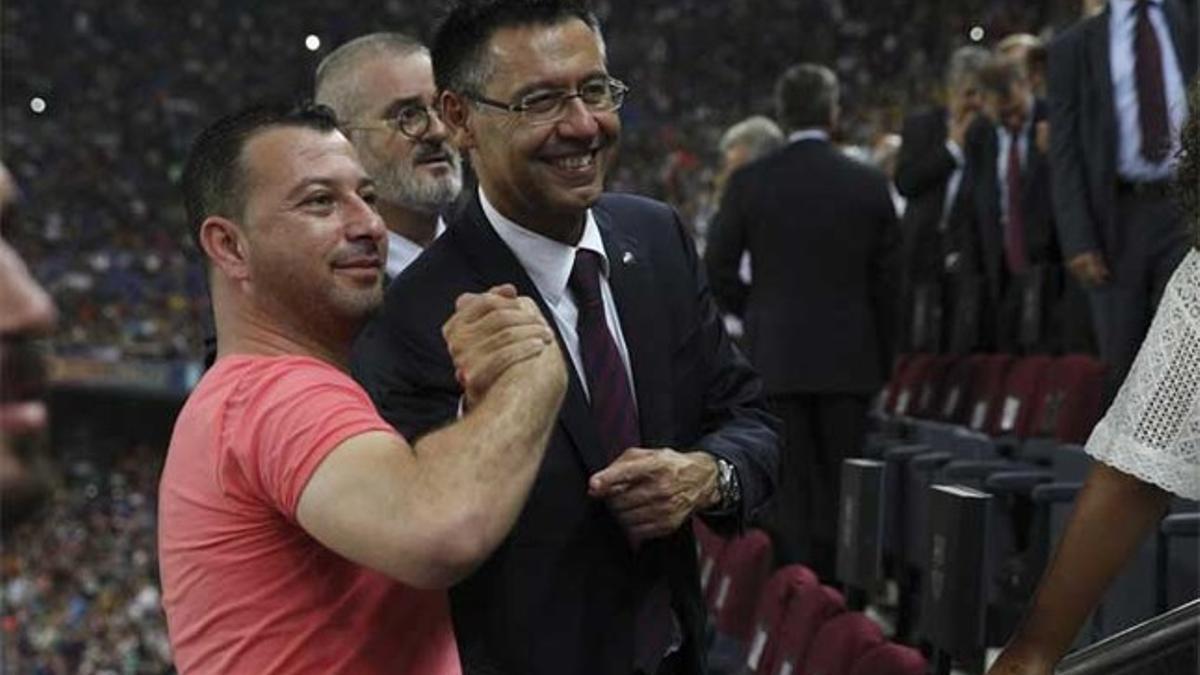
[(929, 395), (772, 603), (952, 404), (890, 659), (741, 573), (909, 387), (711, 545), (987, 391), (840, 642), (808, 610), (892, 389), (1070, 401), (1022, 390)]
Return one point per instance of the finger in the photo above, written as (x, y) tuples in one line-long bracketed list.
[(637, 496), (635, 464), (471, 306), (501, 360), (504, 290), (500, 319)]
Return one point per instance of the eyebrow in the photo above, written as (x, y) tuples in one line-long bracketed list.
[(399, 104), (299, 190), (545, 84)]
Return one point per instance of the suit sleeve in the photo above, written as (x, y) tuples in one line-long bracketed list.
[(409, 379), (1076, 229), (736, 424), (723, 256), (884, 276), (924, 163)]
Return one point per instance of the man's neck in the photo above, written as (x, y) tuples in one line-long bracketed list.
[(419, 228), (242, 330)]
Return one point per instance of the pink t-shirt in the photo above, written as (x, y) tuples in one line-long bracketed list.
[(245, 588)]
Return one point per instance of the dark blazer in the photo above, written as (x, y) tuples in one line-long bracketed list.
[(922, 171), (984, 243), (558, 596), (821, 231), (1083, 127)]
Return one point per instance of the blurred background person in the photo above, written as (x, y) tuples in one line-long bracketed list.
[(1117, 101), (929, 176), (821, 230), (381, 87)]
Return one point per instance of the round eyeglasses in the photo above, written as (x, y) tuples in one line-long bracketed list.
[(412, 120)]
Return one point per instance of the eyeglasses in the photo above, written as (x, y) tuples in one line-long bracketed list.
[(412, 120), (549, 106)]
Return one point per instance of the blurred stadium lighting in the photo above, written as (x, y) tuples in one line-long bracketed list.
[(976, 34), (37, 104), (312, 42)]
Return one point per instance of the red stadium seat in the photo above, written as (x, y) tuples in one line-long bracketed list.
[(890, 659), (929, 396), (1022, 390), (892, 389), (840, 642), (1071, 398), (711, 545), (808, 610), (779, 591), (987, 391), (952, 404), (741, 574), (909, 387)]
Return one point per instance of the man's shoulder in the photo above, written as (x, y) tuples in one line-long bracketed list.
[(1072, 37), (630, 205)]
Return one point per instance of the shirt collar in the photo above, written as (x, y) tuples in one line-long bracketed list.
[(402, 250), (547, 262), (1125, 8), (811, 133)]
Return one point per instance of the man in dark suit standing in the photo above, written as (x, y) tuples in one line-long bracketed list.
[(663, 418), (1117, 102), (821, 230), (1009, 232), (929, 174)]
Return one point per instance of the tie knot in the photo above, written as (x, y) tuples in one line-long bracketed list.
[(585, 277)]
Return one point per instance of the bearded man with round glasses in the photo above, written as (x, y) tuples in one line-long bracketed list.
[(381, 87), (663, 419)]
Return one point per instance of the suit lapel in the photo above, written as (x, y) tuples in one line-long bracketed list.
[(1185, 50), (1101, 72), (632, 280), (491, 258)]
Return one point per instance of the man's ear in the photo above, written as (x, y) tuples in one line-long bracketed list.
[(455, 111), (225, 244)]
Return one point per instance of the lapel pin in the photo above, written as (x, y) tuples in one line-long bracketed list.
[(627, 258)]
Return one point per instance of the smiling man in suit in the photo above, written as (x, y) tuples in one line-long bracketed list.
[(663, 418), (1117, 102)]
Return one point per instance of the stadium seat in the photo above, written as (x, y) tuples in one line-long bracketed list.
[(772, 603), (741, 573), (891, 390), (890, 659), (709, 546), (840, 642), (987, 391), (810, 608), (1022, 390), (908, 389), (929, 394), (952, 406), (1070, 399)]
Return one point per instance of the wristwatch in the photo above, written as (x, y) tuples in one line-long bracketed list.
[(727, 485)]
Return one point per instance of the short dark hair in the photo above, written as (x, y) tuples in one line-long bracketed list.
[(806, 96), (460, 45), (999, 76), (213, 179)]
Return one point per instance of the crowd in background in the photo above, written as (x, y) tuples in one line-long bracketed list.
[(127, 85)]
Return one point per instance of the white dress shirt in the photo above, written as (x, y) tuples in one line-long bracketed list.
[(548, 264), (1122, 25), (402, 250)]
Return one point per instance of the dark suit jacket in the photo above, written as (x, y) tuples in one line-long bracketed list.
[(558, 596), (984, 243), (821, 231), (1083, 127), (922, 171)]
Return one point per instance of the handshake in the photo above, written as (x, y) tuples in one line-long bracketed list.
[(498, 337)]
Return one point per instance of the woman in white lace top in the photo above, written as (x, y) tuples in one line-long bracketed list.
[(1148, 447)]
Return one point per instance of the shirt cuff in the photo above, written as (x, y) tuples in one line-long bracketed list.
[(955, 152)]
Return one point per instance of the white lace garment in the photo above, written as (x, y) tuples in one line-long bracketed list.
[(1152, 430)]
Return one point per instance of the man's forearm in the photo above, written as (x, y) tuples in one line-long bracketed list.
[(481, 468), (1111, 517)]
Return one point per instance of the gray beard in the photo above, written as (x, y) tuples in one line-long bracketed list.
[(423, 194)]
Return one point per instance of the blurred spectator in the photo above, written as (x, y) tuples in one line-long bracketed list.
[(1027, 51), (818, 311), (381, 87), (744, 142), (1115, 133), (935, 292)]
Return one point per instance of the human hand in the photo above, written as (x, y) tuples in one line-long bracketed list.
[(489, 333), (960, 122), (653, 492), (1089, 268), (1041, 136)]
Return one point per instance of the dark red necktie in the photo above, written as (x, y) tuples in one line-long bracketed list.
[(608, 385), (1151, 92), (1014, 229)]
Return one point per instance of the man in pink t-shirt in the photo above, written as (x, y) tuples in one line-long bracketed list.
[(299, 533)]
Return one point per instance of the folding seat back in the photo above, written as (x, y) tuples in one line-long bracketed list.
[(742, 571), (1070, 400), (840, 642), (987, 391), (929, 395), (778, 592), (710, 546), (807, 611), (891, 390), (952, 402), (909, 389), (1022, 390), (890, 659)]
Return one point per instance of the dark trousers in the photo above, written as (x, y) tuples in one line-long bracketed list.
[(820, 430), (1153, 242)]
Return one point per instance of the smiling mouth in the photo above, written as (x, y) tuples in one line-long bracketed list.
[(575, 163)]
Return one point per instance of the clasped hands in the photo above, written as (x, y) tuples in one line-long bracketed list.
[(651, 492)]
